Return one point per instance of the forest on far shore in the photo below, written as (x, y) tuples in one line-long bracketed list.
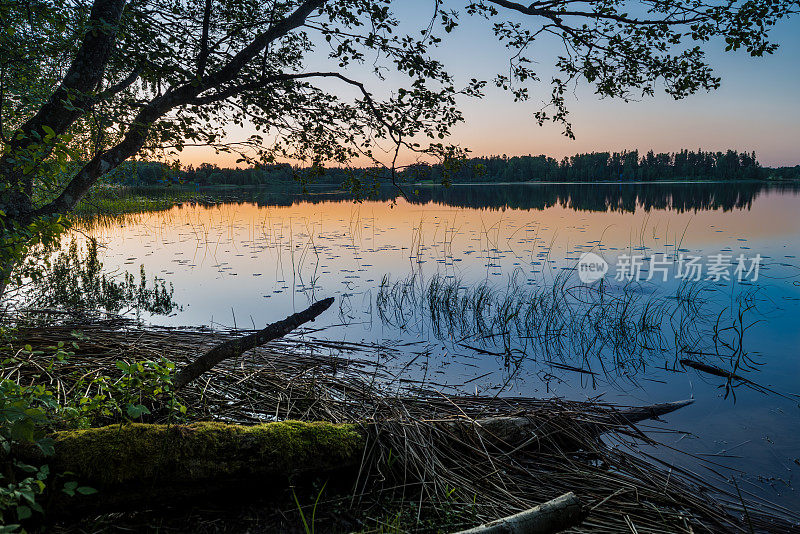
[(626, 166)]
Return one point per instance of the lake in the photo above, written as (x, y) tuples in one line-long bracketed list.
[(479, 288)]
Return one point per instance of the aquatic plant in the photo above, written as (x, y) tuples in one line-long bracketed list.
[(622, 328)]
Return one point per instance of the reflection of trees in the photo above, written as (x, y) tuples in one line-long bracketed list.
[(580, 197)]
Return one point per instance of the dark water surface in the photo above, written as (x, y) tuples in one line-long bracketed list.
[(266, 252)]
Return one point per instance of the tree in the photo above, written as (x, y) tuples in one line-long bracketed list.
[(87, 86)]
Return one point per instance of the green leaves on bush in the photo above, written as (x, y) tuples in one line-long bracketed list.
[(28, 413)]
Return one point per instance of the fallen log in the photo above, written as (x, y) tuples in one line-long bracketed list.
[(636, 414), (731, 377), (236, 347), (550, 517), (136, 465), (143, 465)]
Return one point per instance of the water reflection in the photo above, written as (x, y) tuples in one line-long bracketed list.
[(627, 197), (252, 256)]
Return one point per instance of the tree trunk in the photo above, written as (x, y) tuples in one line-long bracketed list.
[(6, 269)]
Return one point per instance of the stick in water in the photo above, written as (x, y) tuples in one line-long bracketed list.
[(235, 347)]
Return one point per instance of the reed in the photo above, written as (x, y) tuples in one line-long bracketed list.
[(452, 479), (620, 328)]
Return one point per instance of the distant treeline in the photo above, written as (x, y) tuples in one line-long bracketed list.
[(626, 166), (144, 173)]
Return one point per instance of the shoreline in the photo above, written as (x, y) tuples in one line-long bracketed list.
[(416, 427), (233, 187)]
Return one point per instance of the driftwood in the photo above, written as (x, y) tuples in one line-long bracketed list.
[(518, 430), (553, 516), (731, 377), (235, 347), (636, 414)]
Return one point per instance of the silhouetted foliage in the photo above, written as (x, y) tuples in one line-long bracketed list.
[(625, 166), (622, 166)]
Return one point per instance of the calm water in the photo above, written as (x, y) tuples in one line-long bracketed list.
[(254, 260)]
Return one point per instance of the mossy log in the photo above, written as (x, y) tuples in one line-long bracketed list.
[(138, 465)]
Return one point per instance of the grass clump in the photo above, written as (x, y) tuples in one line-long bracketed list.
[(620, 328), (114, 200)]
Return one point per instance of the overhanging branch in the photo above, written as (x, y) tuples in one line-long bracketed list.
[(136, 135), (555, 14)]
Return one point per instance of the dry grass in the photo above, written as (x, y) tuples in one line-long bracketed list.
[(416, 459)]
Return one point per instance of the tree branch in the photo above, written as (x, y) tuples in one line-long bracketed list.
[(235, 347), (121, 85), (557, 14), (135, 137), (238, 89), (238, 61)]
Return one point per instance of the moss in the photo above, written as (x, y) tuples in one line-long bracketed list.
[(205, 450)]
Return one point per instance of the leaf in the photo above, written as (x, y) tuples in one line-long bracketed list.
[(69, 487), (44, 472), (23, 512), (22, 430), (46, 445), (86, 490), (136, 410)]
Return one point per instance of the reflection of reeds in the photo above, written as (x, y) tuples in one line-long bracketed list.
[(626, 326), (74, 279)]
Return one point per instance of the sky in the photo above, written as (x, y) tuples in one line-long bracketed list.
[(757, 108)]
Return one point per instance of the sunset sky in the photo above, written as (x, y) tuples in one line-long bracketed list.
[(757, 107)]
